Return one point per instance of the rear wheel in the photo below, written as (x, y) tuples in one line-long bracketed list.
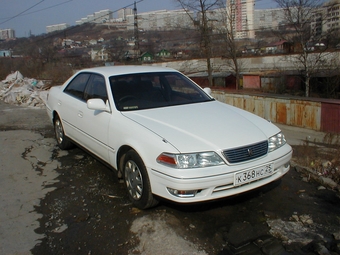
[(137, 181), (63, 142)]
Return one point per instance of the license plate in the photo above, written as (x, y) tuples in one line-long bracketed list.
[(253, 174)]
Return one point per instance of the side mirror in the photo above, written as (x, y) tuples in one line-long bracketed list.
[(98, 104), (207, 90)]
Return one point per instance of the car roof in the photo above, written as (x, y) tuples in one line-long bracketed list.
[(128, 69)]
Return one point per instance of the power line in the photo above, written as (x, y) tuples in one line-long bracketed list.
[(22, 12), (48, 7), (73, 27)]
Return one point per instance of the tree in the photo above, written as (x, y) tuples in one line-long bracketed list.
[(305, 28), (200, 8), (227, 31)]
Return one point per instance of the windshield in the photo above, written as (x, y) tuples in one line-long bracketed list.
[(152, 90)]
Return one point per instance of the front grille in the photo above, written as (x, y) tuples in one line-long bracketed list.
[(246, 153)]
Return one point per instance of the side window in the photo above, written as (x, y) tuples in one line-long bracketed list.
[(96, 88), (182, 89), (77, 86)]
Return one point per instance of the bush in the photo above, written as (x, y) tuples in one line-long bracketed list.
[(56, 73)]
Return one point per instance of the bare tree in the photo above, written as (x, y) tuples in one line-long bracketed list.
[(226, 18), (305, 28), (199, 8)]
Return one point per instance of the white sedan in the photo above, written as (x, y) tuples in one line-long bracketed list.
[(164, 135)]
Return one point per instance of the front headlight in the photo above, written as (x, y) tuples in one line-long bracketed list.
[(190, 160), (276, 142)]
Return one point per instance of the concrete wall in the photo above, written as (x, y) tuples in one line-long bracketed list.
[(288, 111)]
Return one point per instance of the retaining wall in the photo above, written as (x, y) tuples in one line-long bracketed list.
[(316, 114)]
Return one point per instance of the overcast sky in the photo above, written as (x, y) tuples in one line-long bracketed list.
[(25, 16)]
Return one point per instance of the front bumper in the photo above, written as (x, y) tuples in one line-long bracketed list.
[(213, 187)]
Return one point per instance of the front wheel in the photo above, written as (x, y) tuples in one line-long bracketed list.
[(63, 142), (137, 181)]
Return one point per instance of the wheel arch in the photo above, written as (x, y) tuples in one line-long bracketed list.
[(54, 114), (120, 158), (138, 182)]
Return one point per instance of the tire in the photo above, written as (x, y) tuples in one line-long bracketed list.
[(63, 142), (137, 181)]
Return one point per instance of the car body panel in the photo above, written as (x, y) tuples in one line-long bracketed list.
[(192, 128)]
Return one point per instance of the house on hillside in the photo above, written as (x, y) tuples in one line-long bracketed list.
[(181, 54), (67, 43), (5, 53), (146, 57), (251, 50), (99, 55), (132, 54), (92, 42), (282, 46), (163, 54)]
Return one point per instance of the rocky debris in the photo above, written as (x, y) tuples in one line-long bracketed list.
[(156, 235), (298, 235), (301, 230), (292, 231), (304, 219), (328, 175), (18, 90), (245, 238)]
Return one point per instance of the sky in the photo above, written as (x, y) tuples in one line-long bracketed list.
[(32, 16)]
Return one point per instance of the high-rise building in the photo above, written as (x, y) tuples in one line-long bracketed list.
[(122, 13), (241, 13), (326, 18)]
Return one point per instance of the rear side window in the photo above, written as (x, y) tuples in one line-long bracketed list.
[(77, 86)]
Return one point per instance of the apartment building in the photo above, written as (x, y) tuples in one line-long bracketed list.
[(6, 34), (268, 19), (56, 27), (99, 17), (161, 20), (326, 18), (123, 13), (242, 16)]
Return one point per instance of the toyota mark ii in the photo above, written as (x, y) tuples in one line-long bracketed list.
[(166, 136)]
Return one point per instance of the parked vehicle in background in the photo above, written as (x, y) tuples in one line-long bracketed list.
[(166, 136)]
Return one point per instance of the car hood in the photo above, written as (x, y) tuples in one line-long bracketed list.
[(204, 126)]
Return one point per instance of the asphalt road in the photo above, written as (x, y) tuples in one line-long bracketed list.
[(57, 202)]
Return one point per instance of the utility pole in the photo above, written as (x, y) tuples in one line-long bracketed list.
[(136, 37)]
